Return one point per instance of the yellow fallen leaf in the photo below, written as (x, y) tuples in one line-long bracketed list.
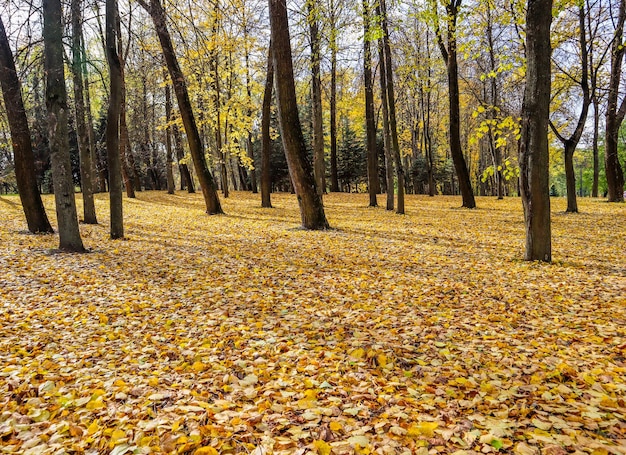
[(425, 429), (206, 450), (358, 353), (322, 447), (335, 426)]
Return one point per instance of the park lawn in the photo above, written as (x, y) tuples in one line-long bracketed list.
[(424, 333)]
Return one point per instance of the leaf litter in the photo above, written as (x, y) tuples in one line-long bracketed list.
[(389, 334)]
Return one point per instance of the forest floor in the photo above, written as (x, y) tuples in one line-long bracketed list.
[(424, 333)]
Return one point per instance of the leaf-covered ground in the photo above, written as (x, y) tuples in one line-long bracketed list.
[(389, 334)]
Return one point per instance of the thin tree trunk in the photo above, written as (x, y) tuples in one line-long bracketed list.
[(389, 171), (391, 107), (169, 157), (334, 179), (249, 146), (113, 120), (370, 121), (56, 104), (96, 170), (450, 59), (24, 159), (309, 200), (316, 97), (615, 114), (86, 165), (533, 151), (196, 147), (186, 181), (266, 140)]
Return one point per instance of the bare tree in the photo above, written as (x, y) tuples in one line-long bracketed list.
[(36, 218)]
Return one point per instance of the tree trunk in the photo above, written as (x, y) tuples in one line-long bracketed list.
[(370, 121), (389, 171), (533, 151), (186, 181), (334, 178), (127, 161), (196, 147), (391, 107), (309, 200), (570, 178), (86, 165), (615, 114), (99, 174), (249, 146), (56, 104), (450, 59), (169, 157), (596, 154), (266, 140), (316, 97), (113, 121), (24, 159)]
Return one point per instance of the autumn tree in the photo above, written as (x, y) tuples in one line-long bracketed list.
[(266, 140), (36, 217), (570, 143), (533, 151), (113, 122), (86, 163), (448, 48), (56, 103), (196, 146), (370, 127), (309, 199), (615, 112)]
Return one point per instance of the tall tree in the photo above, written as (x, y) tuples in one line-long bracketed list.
[(316, 95), (309, 199), (86, 164), (169, 158), (56, 104), (615, 112), (36, 218), (334, 30), (113, 122), (570, 143), (533, 151), (370, 121), (449, 55), (207, 184), (266, 140), (386, 75)]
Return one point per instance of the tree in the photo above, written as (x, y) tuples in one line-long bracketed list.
[(56, 104), (614, 113), (168, 140), (386, 74), (113, 122), (533, 151), (316, 96), (86, 164), (36, 218), (207, 184), (570, 143), (370, 127), (266, 140), (449, 55), (309, 199)]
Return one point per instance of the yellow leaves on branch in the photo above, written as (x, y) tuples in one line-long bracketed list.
[(240, 334)]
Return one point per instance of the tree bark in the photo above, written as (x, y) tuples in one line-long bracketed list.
[(389, 171), (316, 97), (169, 156), (249, 146), (533, 151), (391, 107), (334, 178), (266, 140), (86, 164), (370, 121), (615, 114), (207, 184), (113, 123), (309, 200), (24, 159), (186, 181), (449, 55), (56, 104)]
